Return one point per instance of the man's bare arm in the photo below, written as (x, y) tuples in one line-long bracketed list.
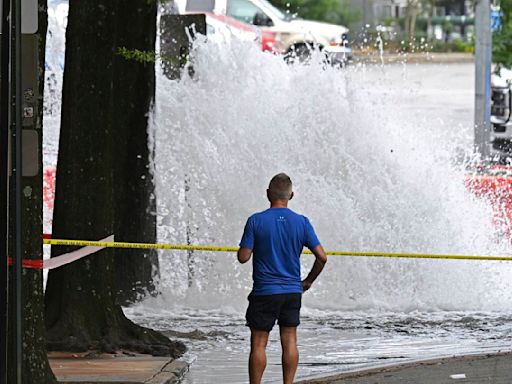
[(244, 254), (320, 260)]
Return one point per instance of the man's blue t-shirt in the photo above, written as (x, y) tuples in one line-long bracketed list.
[(276, 237)]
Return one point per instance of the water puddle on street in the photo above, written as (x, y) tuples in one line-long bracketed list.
[(218, 343)]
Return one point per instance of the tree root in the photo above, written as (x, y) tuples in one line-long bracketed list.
[(127, 337)]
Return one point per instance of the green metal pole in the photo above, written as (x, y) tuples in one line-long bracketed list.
[(4, 186), (16, 108)]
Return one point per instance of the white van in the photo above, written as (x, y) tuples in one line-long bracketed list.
[(281, 33)]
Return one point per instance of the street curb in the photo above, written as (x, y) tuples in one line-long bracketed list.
[(395, 367), (414, 58), (171, 373)]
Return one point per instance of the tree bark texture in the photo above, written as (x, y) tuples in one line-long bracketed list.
[(134, 90), (81, 307), (35, 366)]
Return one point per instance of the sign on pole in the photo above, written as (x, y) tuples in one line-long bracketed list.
[(496, 18)]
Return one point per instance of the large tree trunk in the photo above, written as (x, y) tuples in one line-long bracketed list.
[(81, 311), (134, 90), (35, 366)]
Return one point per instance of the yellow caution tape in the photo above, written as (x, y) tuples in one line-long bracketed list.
[(116, 244)]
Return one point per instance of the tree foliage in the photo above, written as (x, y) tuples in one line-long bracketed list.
[(137, 55), (331, 11), (502, 39)]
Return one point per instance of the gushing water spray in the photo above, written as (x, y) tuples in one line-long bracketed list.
[(370, 175)]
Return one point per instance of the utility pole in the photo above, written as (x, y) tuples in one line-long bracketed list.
[(365, 19), (483, 61)]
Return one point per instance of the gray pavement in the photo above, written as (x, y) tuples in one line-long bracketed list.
[(478, 369)]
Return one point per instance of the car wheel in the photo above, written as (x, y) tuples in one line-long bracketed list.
[(300, 53)]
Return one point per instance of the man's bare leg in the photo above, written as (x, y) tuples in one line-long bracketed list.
[(258, 357), (290, 357)]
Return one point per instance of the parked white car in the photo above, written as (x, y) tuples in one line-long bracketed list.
[(280, 32)]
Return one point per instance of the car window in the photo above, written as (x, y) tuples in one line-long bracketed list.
[(200, 5), (243, 10), (276, 11)]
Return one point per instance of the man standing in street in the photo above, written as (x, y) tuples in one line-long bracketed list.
[(276, 237)]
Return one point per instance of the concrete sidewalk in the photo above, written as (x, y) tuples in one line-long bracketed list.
[(477, 369), (115, 368)]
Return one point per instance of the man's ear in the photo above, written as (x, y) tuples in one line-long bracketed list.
[(268, 195), (291, 196)]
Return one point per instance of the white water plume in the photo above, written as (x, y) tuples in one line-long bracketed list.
[(371, 176)]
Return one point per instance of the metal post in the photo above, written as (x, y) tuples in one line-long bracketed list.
[(365, 19), (483, 59), (5, 154), (16, 108)]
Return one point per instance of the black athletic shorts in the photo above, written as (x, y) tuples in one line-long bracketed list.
[(263, 311)]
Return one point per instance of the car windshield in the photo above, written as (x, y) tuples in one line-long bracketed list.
[(276, 11)]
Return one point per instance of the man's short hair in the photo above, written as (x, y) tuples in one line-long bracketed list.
[(280, 187)]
